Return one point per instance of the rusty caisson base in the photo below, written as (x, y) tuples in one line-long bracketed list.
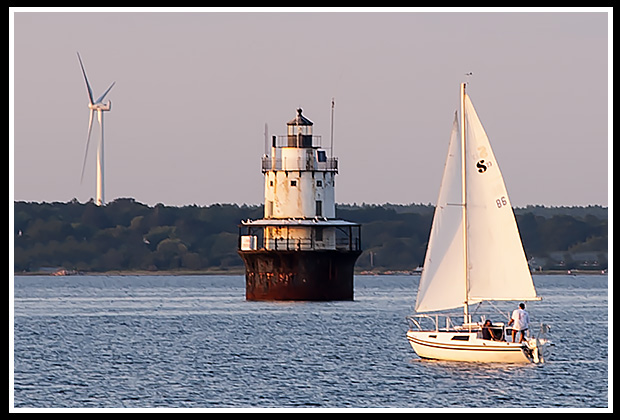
[(317, 275)]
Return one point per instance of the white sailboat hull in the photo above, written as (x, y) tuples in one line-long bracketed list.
[(468, 347)]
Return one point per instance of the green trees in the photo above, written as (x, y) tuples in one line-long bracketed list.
[(127, 235), (394, 237)]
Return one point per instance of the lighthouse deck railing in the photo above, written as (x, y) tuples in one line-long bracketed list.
[(294, 244), (347, 239)]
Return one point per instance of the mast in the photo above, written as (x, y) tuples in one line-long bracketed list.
[(464, 206)]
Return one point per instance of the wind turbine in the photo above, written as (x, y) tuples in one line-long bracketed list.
[(100, 107)]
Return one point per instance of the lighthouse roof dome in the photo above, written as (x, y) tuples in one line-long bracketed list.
[(299, 119)]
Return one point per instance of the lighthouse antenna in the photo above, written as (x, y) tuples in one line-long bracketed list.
[(331, 136), (266, 140)]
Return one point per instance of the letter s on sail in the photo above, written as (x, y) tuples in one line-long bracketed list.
[(481, 166)]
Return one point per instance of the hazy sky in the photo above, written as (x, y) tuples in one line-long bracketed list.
[(194, 90)]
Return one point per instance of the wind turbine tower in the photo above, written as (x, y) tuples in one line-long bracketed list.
[(100, 107)]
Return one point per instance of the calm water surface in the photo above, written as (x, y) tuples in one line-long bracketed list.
[(193, 341)]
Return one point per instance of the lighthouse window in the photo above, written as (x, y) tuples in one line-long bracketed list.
[(293, 183), (319, 183), (304, 130)]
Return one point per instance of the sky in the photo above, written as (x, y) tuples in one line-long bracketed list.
[(195, 88)]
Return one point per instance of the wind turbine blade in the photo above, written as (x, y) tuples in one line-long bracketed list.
[(90, 126), (90, 91), (104, 93)]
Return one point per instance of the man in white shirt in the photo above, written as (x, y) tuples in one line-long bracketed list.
[(521, 320)]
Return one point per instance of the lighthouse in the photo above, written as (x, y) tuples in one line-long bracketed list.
[(299, 250)]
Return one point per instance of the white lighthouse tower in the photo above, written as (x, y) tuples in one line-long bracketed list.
[(299, 250)]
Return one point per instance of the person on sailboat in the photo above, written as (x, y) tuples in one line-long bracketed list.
[(488, 333), (521, 320)]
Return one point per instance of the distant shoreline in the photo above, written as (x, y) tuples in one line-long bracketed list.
[(241, 271)]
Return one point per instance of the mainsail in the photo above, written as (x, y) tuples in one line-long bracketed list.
[(488, 261)]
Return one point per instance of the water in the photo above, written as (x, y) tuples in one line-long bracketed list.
[(193, 341)]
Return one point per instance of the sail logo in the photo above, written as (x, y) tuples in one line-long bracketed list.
[(482, 165)]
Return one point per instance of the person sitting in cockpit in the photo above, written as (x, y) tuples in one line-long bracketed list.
[(488, 333)]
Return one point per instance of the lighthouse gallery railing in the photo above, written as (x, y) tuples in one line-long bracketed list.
[(299, 164), (348, 238)]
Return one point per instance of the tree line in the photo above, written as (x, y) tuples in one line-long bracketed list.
[(128, 235)]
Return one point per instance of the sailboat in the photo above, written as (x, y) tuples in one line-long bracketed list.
[(474, 255)]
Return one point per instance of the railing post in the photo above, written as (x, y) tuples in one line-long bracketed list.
[(350, 239)]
